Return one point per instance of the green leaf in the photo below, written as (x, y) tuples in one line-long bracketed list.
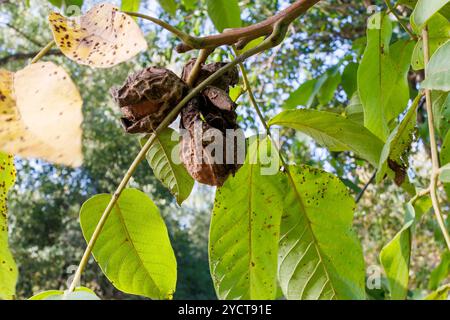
[(409, 3), (130, 5), (444, 175), (80, 293), (66, 3), (423, 11), (163, 158), (438, 33), (329, 87), (170, 6), (245, 230), (440, 294), (350, 78), (333, 131), (8, 268), (445, 158), (355, 111), (438, 70), (189, 4), (319, 256), (441, 272), (382, 76), (395, 257), (395, 155), (305, 95), (224, 13), (441, 111), (133, 250)]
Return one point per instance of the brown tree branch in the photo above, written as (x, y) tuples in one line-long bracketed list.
[(237, 36)]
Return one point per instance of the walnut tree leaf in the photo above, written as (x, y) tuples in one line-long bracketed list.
[(41, 114), (102, 38)]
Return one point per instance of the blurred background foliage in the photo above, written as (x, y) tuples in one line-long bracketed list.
[(45, 235)]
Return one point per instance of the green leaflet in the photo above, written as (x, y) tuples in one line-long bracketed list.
[(350, 78), (394, 158), (333, 131), (133, 249), (329, 87), (170, 6), (395, 256), (224, 13), (66, 3), (382, 76), (245, 230), (438, 33), (189, 4), (423, 11), (305, 95), (441, 111), (8, 268), (444, 175), (445, 158), (441, 272), (438, 70), (319, 256), (163, 158), (130, 5), (80, 293), (354, 111), (440, 294)]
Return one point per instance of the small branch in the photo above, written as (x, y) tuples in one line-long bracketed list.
[(236, 35), (43, 52), (364, 189), (277, 36), (202, 57), (394, 12), (433, 145)]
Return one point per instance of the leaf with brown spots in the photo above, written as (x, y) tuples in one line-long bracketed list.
[(44, 120), (102, 38), (8, 268)]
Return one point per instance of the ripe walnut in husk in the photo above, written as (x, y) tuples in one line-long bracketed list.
[(147, 97), (205, 151)]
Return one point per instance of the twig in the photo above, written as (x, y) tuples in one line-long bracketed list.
[(276, 37), (364, 189), (434, 151), (43, 52), (392, 9), (203, 55), (240, 36)]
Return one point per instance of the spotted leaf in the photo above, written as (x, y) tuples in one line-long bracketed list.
[(8, 269), (43, 118), (102, 38)]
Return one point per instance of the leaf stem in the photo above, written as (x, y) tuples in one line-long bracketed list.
[(276, 37), (43, 52), (433, 144)]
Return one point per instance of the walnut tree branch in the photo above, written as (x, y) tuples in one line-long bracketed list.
[(237, 36)]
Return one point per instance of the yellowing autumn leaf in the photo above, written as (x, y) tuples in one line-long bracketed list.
[(44, 120), (102, 38)]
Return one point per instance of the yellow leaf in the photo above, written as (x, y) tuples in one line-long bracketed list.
[(102, 38), (44, 120)]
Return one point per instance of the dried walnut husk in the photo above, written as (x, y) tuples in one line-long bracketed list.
[(147, 97), (208, 115)]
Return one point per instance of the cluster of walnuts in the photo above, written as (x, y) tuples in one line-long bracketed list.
[(149, 95)]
